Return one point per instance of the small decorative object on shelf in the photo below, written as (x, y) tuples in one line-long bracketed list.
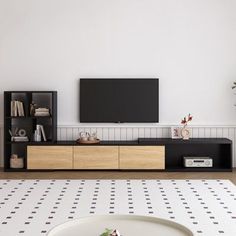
[(22, 133), (92, 136), (32, 108), (87, 138), (42, 111), (18, 135), (16, 162), (83, 136), (37, 135), (176, 132), (20, 139), (185, 132)]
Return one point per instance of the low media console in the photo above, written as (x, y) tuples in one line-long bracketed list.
[(163, 154)]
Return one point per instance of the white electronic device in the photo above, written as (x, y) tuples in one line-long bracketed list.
[(198, 162)]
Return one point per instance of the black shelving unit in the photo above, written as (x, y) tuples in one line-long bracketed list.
[(219, 149), (28, 122)]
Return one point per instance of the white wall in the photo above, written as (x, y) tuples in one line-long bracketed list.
[(189, 44)]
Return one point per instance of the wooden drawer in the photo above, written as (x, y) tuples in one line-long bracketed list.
[(142, 157), (96, 157), (49, 157)]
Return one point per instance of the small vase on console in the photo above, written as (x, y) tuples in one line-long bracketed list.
[(185, 132)]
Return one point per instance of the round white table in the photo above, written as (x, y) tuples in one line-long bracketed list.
[(127, 225)]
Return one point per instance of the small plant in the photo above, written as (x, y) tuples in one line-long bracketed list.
[(107, 232), (186, 119), (234, 85), (110, 232)]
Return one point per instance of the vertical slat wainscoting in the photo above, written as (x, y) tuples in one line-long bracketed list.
[(231, 136), (133, 133), (114, 133)]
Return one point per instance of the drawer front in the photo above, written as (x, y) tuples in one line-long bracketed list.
[(96, 157), (49, 157), (142, 157)]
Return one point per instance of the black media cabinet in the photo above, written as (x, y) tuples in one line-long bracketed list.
[(158, 154)]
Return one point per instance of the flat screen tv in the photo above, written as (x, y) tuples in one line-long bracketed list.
[(119, 100)]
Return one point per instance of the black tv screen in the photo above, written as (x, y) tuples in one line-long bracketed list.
[(119, 100)]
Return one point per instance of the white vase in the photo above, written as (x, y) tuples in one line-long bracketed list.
[(185, 133)]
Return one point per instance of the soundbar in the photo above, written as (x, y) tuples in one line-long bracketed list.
[(198, 162)]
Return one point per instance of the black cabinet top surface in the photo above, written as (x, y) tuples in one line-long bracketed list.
[(28, 91), (181, 141), (144, 141)]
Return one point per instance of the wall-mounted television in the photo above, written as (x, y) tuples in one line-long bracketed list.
[(119, 100)]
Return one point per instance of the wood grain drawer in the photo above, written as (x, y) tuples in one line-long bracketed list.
[(49, 157), (142, 157), (96, 157)]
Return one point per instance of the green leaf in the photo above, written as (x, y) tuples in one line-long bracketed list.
[(104, 234), (107, 232)]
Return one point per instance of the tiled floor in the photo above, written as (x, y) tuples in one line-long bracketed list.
[(32, 207)]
